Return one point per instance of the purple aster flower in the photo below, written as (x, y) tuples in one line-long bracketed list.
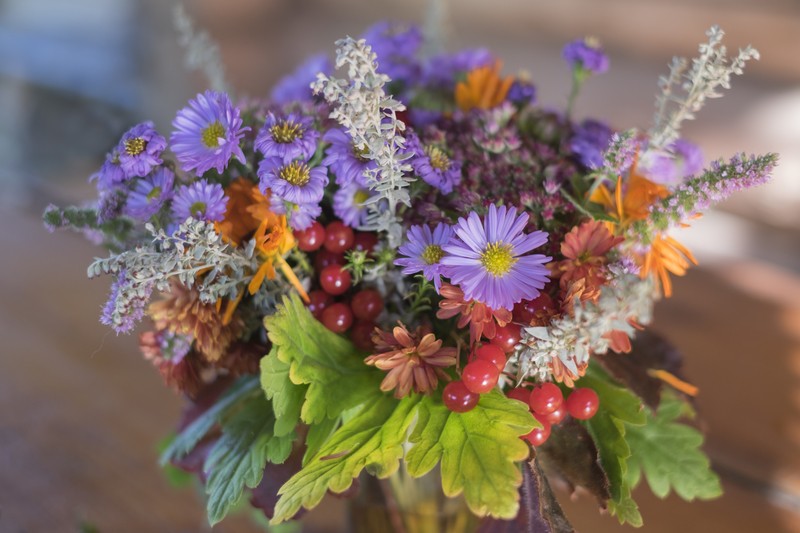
[(292, 137), (590, 141), (348, 204), (682, 159), (443, 70), (296, 87), (434, 166), (587, 55), (207, 133), (140, 150), (346, 162), (522, 93), (200, 200), (110, 174), (424, 252), (150, 194), (300, 216), (486, 258), (396, 46), (294, 181)]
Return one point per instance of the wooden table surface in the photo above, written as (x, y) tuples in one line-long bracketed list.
[(81, 411)]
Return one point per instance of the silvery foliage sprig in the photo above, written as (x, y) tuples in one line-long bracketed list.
[(573, 339), (202, 53), (684, 91), (195, 248), (361, 105)]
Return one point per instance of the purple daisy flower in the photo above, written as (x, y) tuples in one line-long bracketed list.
[(486, 258), (150, 194), (434, 166), (343, 159), (590, 142), (294, 182), (522, 92), (682, 159), (200, 200), (424, 252), (140, 150), (292, 137), (207, 133), (297, 85), (348, 204), (110, 174), (586, 54), (300, 216), (396, 46)]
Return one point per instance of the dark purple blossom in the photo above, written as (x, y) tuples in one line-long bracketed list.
[(139, 150), (589, 142), (294, 182), (396, 46), (486, 258), (290, 137), (207, 133), (522, 93), (150, 194), (296, 87), (586, 54), (443, 70), (348, 204), (109, 205), (200, 200), (344, 159), (424, 252), (125, 307)]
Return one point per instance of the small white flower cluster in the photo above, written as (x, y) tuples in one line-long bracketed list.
[(573, 339), (710, 70), (370, 117)]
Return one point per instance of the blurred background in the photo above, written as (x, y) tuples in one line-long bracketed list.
[(81, 412)]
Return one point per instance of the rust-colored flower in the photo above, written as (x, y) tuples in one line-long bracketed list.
[(412, 360), (563, 374), (585, 248), (181, 312), (482, 320), (184, 373), (483, 88)]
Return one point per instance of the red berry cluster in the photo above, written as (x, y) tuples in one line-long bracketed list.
[(479, 376), (355, 314), (548, 406)]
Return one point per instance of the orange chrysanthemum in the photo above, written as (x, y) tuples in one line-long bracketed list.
[(245, 210), (413, 360), (483, 88), (666, 255), (585, 248), (273, 240), (482, 320)]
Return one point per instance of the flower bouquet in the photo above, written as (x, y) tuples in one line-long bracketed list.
[(447, 284)]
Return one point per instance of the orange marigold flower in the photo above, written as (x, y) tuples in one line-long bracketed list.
[(482, 319), (483, 88), (181, 312), (413, 360), (634, 204), (273, 240), (585, 248), (245, 210), (666, 255)]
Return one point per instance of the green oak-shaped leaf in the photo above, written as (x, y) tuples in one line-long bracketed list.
[(239, 456), (478, 450), (287, 398), (372, 439), (669, 454), (329, 364)]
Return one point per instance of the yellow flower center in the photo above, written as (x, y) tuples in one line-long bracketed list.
[(497, 258), (155, 193), (296, 173), (432, 254), (360, 197), (212, 133), (439, 159), (197, 209), (285, 131), (135, 146)]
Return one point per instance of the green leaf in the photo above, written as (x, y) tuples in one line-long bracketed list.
[(329, 364), (287, 398), (318, 435), (239, 456), (669, 455), (372, 439), (617, 401), (478, 450), (191, 435)]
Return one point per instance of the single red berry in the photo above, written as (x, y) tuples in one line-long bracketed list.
[(493, 354), (582, 403), (545, 399), (361, 335), (506, 337), (337, 318), (557, 416), (458, 398), (325, 258), (480, 376), (319, 300), (365, 241), (526, 310), (367, 304), (338, 237), (520, 393), (539, 436), (311, 238), (334, 280)]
